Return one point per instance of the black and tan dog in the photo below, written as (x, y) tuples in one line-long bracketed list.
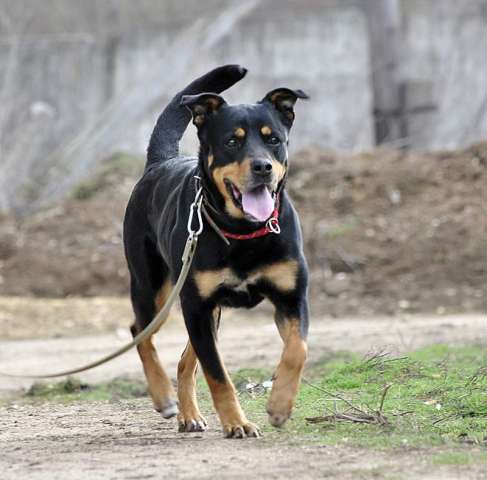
[(242, 168)]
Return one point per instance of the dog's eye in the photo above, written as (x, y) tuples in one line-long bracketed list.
[(273, 140), (232, 143)]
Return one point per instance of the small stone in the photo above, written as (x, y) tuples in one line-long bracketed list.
[(267, 384)]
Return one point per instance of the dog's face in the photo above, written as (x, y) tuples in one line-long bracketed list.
[(244, 148)]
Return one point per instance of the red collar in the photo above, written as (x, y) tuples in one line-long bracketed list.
[(271, 226)]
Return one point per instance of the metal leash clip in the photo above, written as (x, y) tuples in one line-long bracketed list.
[(193, 234), (196, 205)]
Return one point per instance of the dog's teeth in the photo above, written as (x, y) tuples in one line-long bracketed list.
[(236, 192)]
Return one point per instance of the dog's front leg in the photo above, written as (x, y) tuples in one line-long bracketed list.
[(202, 323), (292, 322)]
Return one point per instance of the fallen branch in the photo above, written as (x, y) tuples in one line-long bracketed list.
[(353, 414), (384, 393), (375, 359)]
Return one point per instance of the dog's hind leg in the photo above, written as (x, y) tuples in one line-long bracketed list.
[(160, 386), (189, 417), (149, 290)]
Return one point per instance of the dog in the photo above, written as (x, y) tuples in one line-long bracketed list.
[(250, 247)]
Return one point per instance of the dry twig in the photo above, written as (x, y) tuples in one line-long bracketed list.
[(352, 413)]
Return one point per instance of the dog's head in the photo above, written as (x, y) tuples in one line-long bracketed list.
[(243, 148)]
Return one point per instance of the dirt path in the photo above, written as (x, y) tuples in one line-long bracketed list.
[(242, 345), (126, 440), (129, 441)]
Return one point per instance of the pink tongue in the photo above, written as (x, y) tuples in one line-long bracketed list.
[(258, 203)]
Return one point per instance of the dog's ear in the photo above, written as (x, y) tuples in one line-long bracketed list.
[(202, 106), (283, 100)]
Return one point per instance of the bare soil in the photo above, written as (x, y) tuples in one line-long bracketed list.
[(385, 232), (128, 440)]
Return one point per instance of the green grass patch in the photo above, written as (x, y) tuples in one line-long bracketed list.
[(72, 389), (460, 458), (437, 396)]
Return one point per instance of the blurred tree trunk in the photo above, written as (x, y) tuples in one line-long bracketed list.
[(384, 22)]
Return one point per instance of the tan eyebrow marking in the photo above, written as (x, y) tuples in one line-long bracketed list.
[(266, 130), (239, 132)]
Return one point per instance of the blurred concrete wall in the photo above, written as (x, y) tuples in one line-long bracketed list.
[(80, 80), (444, 64), (318, 47)]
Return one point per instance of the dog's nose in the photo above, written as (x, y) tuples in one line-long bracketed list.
[(262, 167)]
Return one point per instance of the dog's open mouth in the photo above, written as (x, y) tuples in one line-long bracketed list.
[(257, 203)]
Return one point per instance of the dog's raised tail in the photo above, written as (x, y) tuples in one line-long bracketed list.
[(173, 121)]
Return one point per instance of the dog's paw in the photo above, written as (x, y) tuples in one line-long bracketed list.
[(241, 431), (169, 409), (278, 414), (196, 424), (278, 419)]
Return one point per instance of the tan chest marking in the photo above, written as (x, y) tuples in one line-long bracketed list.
[(209, 280), (281, 274)]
